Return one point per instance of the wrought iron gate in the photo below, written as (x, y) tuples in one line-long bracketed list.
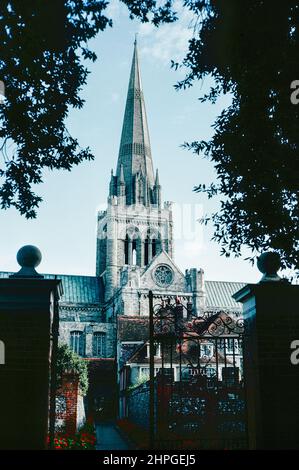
[(197, 395)]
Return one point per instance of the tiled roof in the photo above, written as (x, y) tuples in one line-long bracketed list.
[(87, 290), (76, 289), (79, 289), (132, 328), (219, 294)]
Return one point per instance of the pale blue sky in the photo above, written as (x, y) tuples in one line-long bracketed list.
[(65, 228)]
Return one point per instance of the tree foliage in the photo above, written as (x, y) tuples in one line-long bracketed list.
[(42, 47), (250, 49), (67, 360)]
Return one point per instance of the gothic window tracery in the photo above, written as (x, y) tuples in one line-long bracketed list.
[(163, 275), (77, 342), (132, 247), (152, 246), (99, 344)]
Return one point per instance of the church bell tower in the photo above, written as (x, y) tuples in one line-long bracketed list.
[(135, 227)]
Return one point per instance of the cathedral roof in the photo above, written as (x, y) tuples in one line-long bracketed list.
[(76, 289), (219, 294), (135, 149), (87, 290)]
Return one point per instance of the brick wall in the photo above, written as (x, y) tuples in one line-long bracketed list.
[(69, 412)]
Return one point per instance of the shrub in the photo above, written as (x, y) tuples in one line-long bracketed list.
[(69, 360)]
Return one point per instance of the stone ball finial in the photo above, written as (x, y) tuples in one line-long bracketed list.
[(28, 257), (269, 263)]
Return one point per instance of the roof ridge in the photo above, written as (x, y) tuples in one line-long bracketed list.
[(228, 282), (55, 274)]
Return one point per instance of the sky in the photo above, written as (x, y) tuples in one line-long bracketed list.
[(65, 227)]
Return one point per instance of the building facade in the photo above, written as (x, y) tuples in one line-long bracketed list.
[(104, 318)]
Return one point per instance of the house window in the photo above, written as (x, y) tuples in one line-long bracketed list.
[(157, 350), (206, 350), (77, 342), (231, 346), (99, 344), (145, 372)]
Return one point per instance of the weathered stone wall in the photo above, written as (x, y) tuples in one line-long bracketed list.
[(115, 223), (88, 330)]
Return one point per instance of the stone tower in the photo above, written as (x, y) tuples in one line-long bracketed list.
[(135, 228)]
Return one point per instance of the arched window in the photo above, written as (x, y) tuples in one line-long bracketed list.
[(146, 250), (127, 249), (99, 344), (154, 247), (134, 252), (132, 247), (77, 342)]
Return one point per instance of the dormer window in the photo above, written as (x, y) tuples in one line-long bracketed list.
[(157, 350)]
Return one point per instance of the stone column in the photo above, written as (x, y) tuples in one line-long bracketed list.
[(111, 253), (150, 250), (89, 341), (130, 257), (140, 252), (271, 378)]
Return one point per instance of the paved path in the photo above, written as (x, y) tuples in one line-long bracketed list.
[(109, 438)]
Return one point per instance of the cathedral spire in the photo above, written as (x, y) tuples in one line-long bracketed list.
[(135, 150)]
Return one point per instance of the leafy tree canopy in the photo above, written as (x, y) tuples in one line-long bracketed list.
[(248, 47), (42, 43), (67, 360)]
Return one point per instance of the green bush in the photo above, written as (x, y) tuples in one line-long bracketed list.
[(70, 361)]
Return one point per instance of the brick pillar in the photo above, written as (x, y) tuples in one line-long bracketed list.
[(28, 321), (271, 380), (70, 391)]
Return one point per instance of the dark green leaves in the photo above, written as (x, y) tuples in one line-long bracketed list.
[(41, 66)]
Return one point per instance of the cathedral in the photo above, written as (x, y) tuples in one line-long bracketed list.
[(104, 318)]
